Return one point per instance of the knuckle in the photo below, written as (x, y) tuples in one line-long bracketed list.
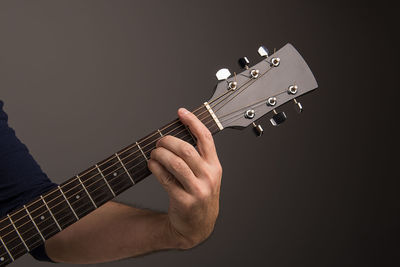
[(178, 165), (188, 151), (202, 192), (188, 204), (206, 134), (167, 180)]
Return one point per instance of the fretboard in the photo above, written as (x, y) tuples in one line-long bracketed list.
[(29, 226)]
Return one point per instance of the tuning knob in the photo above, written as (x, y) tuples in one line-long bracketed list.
[(244, 63), (258, 130), (278, 118), (298, 106), (263, 51), (223, 74)]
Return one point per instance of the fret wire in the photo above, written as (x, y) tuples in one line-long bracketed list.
[(91, 179), (66, 222), (4, 245), (105, 180), (94, 204), (12, 223), (120, 161), (69, 204), (160, 132), (51, 213), (45, 220), (144, 155), (61, 218), (137, 173), (37, 228)]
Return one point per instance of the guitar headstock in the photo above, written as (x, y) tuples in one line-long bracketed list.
[(241, 99)]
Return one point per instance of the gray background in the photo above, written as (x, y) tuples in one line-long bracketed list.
[(82, 79)]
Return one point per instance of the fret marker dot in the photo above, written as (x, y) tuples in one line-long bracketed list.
[(115, 174), (77, 196), (2, 259), (42, 217)]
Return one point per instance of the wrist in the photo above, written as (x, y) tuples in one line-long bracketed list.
[(175, 239)]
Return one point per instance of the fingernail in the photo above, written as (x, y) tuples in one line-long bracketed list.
[(183, 111)]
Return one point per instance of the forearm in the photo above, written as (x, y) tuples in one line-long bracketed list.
[(114, 231)]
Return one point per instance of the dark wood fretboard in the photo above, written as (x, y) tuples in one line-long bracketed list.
[(29, 226)]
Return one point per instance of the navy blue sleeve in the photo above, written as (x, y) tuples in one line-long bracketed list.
[(21, 178)]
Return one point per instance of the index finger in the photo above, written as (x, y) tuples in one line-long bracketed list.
[(205, 141)]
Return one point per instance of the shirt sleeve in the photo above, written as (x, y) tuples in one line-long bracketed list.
[(21, 178)]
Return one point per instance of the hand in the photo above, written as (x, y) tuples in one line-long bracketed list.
[(192, 180)]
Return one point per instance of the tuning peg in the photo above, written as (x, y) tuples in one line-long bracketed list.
[(223, 74), (263, 51), (278, 118), (258, 130), (244, 63), (297, 106)]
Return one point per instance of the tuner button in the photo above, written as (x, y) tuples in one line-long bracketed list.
[(249, 114), (292, 90), (271, 101), (298, 106), (263, 51), (232, 85), (244, 63), (223, 74), (258, 130), (278, 118), (275, 61), (254, 74)]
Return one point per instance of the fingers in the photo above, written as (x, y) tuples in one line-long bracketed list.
[(176, 166), (205, 141), (185, 151), (165, 178)]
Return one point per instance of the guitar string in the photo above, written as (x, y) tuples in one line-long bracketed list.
[(61, 196), (67, 208), (140, 155), (251, 81), (129, 169), (131, 147), (118, 176), (168, 125), (253, 105), (111, 157), (129, 155), (128, 148), (125, 158)]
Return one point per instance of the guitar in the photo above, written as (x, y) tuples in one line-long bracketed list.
[(238, 101)]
